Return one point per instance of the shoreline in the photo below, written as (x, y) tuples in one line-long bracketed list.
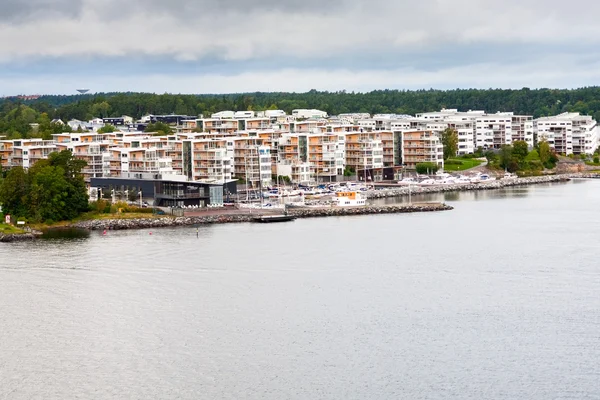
[(308, 212), (313, 212), (401, 191)]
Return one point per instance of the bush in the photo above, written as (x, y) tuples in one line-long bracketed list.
[(596, 160), (424, 168), (453, 162)]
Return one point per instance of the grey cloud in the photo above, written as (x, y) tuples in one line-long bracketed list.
[(356, 32), (20, 10)]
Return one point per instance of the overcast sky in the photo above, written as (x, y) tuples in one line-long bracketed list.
[(221, 46)]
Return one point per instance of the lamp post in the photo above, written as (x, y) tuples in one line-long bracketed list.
[(140, 198), (99, 194)]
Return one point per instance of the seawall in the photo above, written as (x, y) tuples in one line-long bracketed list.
[(498, 184), (144, 223)]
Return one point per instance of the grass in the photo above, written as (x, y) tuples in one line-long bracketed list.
[(93, 216), (10, 230), (461, 164)]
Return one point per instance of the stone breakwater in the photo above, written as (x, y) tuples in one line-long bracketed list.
[(21, 237), (498, 184), (145, 223)]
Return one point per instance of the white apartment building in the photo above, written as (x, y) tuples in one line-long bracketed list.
[(568, 133), (306, 114), (493, 131), (465, 128)]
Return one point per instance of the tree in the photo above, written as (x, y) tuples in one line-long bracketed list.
[(427, 168), (507, 159), (100, 110), (545, 154), (450, 142), (108, 128), (520, 150), (51, 190), (13, 192), (160, 128)]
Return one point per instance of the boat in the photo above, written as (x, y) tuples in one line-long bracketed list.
[(351, 198), (274, 218), (427, 182), (463, 180), (486, 178), (407, 181), (509, 176)]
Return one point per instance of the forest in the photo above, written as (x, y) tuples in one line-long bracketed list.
[(16, 116)]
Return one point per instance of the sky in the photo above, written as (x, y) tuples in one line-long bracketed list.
[(226, 46)]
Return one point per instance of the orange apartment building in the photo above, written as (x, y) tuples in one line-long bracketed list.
[(420, 147)]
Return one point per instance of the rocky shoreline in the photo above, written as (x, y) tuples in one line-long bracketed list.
[(498, 184), (19, 237), (309, 212), (145, 223)]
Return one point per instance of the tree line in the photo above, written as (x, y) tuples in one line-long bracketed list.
[(16, 116), (51, 190)]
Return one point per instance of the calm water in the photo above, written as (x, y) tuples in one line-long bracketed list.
[(497, 299)]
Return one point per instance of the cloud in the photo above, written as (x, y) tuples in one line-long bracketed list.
[(18, 11), (333, 41), (242, 30), (484, 75)]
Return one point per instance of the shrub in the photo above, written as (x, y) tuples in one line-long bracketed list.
[(424, 168), (596, 160), (453, 162)]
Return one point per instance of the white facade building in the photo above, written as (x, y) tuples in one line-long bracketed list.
[(568, 133), (493, 131), (306, 114)]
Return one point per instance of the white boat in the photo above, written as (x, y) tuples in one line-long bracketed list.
[(463, 180), (350, 198), (509, 176), (486, 178), (407, 181), (427, 182)]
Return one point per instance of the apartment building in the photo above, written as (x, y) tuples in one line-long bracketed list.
[(363, 151), (493, 131), (568, 133), (250, 160), (420, 147), (206, 160), (522, 129), (465, 129), (24, 152), (306, 114)]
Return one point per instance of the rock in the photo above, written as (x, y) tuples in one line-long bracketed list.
[(143, 223), (21, 237), (497, 184)]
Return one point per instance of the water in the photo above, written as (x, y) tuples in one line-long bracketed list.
[(497, 299)]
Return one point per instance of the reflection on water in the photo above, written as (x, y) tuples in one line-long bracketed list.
[(471, 195), (68, 233)]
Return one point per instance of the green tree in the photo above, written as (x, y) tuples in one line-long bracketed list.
[(108, 128), (450, 142), (51, 190), (427, 168), (545, 153), (507, 159), (14, 191), (100, 110), (160, 128), (520, 150)]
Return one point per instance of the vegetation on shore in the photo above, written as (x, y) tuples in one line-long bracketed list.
[(52, 190), (461, 164), (10, 230), (16, 116), (517, 158)]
